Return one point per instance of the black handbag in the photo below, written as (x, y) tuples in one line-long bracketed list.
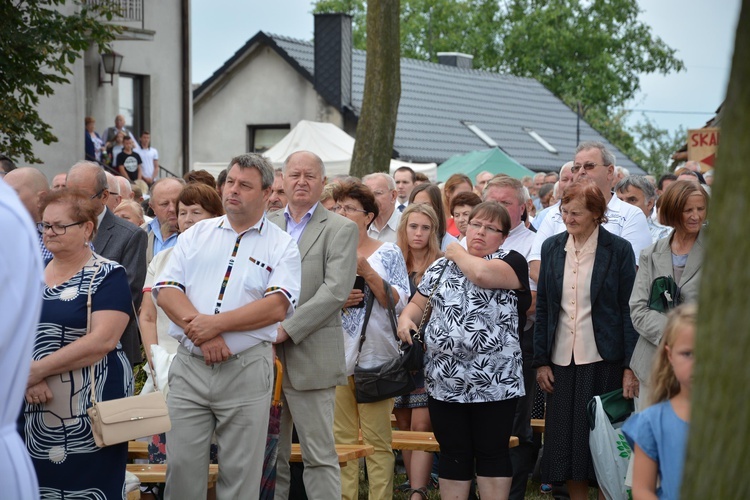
[(413, 355), (388, 380)]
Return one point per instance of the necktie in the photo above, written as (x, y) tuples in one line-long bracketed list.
[(401, 208)]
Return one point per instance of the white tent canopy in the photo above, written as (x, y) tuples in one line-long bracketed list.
[(334, 146)]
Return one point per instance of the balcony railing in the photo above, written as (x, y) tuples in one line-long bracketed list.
[(127, 10)]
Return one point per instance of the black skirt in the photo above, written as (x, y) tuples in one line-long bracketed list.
[(566, 437)]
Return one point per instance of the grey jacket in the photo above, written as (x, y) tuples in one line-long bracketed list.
[(313, 356), (656, 261)]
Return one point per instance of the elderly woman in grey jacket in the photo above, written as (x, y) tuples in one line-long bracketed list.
[(684, 205)]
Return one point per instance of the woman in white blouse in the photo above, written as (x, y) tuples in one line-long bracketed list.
[(473, 358), (376, 261)]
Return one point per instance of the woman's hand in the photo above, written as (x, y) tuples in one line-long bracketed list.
[(545, 379), (405, 326), (36, 374), (453, 250), (363, 267), (630, 384), (355, 297), (38, 393)]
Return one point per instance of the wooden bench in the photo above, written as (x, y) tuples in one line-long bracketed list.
[(346, 452), (157, 473), (537, 425), (422, 441)]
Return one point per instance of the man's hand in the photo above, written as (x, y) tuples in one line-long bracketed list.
[(201, 328), (281, 335), (545, 379), (38, 393), (215, 350)]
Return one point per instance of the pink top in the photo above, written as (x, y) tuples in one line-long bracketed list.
[(575, 330)]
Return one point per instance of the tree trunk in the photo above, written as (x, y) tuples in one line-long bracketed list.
[(377, 121), (718, 456)]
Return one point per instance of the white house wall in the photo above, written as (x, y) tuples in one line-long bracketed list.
[(159, 58), (263, 89)]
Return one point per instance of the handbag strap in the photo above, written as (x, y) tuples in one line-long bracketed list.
[(428, 307), (140, 334), (97, 265), (390, 312)]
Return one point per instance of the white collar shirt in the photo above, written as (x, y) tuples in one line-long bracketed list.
[(623, 220), (389, 231), (521, 239), (295, 229), (220, 270)]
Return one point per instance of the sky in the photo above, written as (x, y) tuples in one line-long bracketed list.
[(703, 36)]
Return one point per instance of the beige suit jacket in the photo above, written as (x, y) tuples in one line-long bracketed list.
[(313, 356), (656, 261)]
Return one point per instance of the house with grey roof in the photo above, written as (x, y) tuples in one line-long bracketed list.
[(446, 108)]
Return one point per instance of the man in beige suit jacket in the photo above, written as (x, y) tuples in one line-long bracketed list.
[(313, 352)]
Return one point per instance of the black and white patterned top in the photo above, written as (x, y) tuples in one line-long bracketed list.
[(473, 350)]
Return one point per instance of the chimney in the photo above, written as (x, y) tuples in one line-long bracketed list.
[(456, 59), (333, 58)]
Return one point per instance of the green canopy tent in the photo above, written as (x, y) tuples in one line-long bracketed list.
[(470, 164)]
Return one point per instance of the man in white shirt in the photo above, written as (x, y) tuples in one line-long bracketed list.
[(404, 178), (480, 181), (595, 162), (566, 177), (511, 194), (149, 158), (229, 282), (638, 191), (384, 227)]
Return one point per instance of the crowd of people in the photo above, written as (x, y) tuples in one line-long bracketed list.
[(534, 291)]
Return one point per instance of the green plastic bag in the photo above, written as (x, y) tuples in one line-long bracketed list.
[(664, 294)]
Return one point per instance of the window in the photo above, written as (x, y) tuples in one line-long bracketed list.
[(133, 102), (538, 138), (480, 133), (262, 137)]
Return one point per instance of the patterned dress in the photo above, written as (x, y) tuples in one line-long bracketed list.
[(473, 351), (58, 434)]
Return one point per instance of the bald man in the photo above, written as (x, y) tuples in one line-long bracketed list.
[(58, 181), (126, 190), (116, 239), (31, 185), (114, 192)]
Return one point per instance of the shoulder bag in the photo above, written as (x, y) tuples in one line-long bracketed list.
[(121, 420), (413, 355), (390, 379)]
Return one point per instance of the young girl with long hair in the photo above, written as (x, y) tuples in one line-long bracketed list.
[(659, 433), (417, 237)]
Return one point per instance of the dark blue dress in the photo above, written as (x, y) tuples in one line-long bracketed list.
[(58, 434)]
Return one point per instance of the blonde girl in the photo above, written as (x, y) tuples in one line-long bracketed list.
[(659, 433)]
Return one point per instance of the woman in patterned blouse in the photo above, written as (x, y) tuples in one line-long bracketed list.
[(473, 357)]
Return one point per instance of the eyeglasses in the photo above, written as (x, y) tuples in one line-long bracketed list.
[(490, 229), (347, 209), (586, 166), (97, 195), (58, 229)]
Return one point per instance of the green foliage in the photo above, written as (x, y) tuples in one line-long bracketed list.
[(37, 49), (590, 53), (655, 146)]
